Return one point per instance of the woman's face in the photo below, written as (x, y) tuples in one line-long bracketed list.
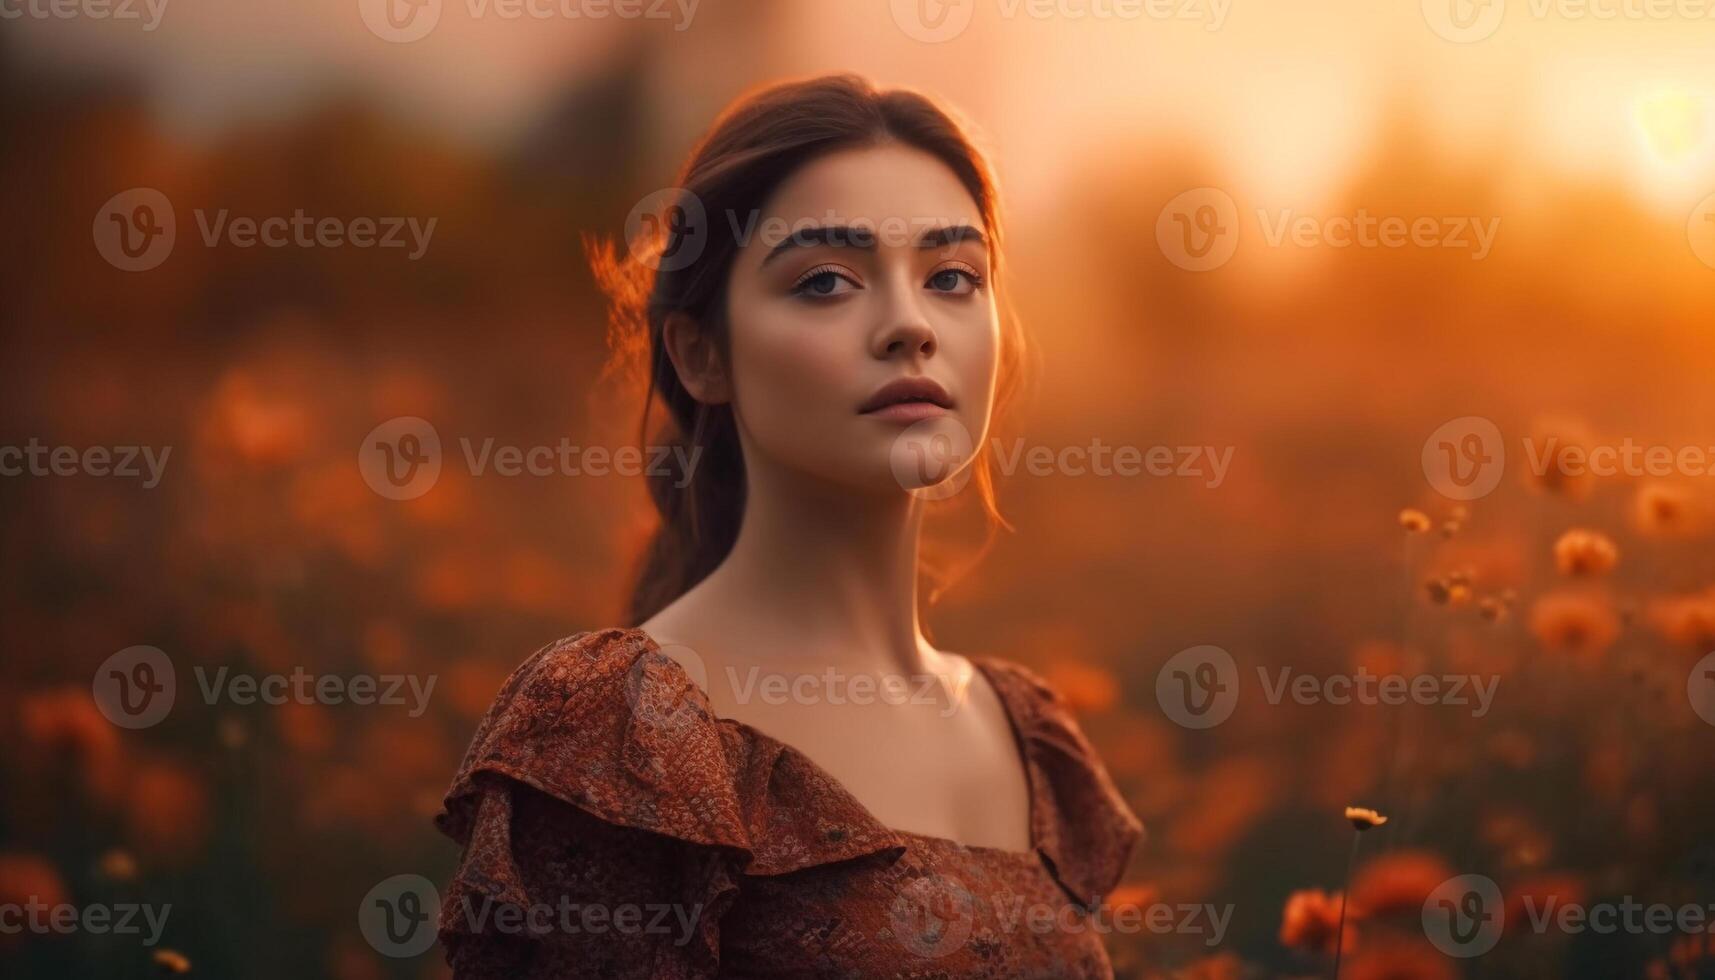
[(866, 268)]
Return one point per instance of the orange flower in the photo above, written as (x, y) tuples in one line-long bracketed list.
[(1311, 922), (26, 877), (1399, 959), (64, 724), (1397, 882), (1580, 552), (1662, 510), (1413, 520), (167, 811), (1086, 687), (1580, 624), (1363, 818), (1564, 447), (1133, 895), (1688, 620), (118, 865), (1222, 966)]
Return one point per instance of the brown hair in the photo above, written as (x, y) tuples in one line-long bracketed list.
[(755, 145)]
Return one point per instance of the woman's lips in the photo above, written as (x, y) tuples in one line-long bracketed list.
[(907, 412)]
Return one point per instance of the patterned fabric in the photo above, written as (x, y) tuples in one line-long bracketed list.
[(614, 827)]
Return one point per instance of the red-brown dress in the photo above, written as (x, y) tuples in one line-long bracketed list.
[(614, 827)]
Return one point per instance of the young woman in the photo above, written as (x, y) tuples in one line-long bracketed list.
[(775, 773)]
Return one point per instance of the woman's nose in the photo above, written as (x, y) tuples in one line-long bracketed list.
[(906, 330)]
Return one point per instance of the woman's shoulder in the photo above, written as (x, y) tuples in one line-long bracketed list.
[(610, 723), (602, 720)]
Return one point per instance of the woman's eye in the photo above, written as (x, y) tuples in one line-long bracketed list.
[(822, 283), (955, 281)]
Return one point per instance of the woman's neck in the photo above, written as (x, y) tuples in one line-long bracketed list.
[(819, 574)]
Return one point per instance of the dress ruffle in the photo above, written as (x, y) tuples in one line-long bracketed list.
[(608, 723)]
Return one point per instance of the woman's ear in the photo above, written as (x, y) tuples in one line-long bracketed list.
[(696, 359)]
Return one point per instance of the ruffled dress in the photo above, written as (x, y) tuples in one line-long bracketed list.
[(613, 826)]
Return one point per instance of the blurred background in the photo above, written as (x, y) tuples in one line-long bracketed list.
[(1581, 139)]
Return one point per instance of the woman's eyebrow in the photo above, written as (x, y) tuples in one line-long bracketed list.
[(859, 236)]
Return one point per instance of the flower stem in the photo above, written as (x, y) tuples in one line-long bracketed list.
[(1345, 897)]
